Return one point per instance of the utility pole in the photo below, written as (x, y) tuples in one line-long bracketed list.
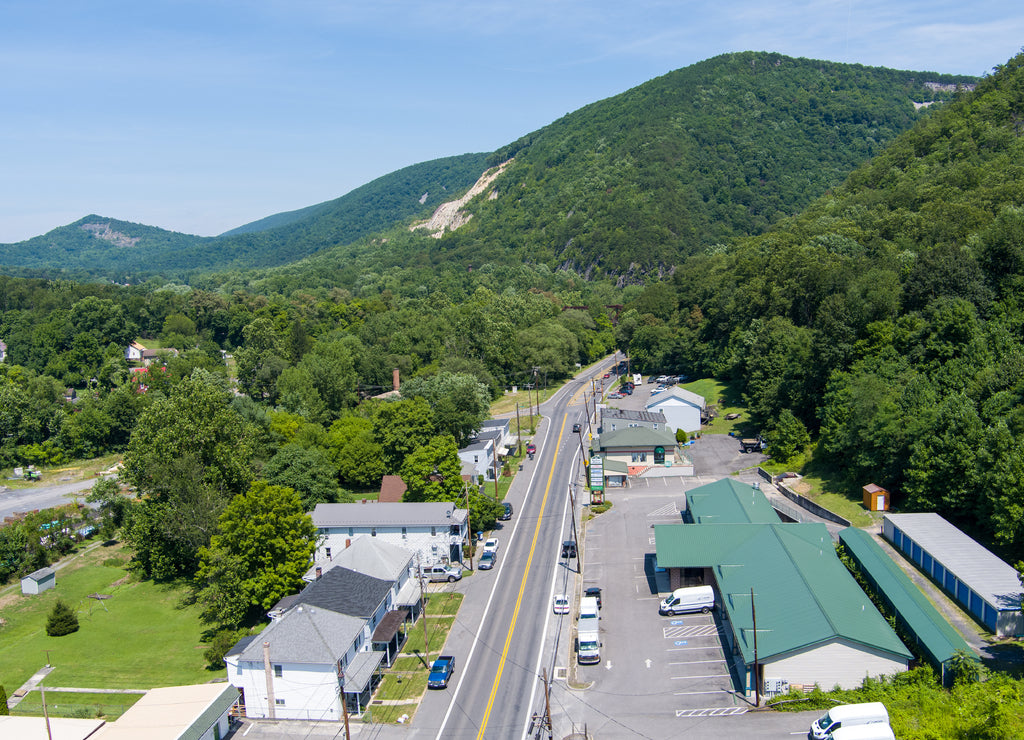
[(536, 389), (757, 670), (469, 524), (423, 601), (572, 508), (344, 704), (547, 705), (519, 435), (268, 672), (46, 714)]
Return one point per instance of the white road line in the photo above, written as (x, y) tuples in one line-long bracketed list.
[(687, 678), (696, 662), (696, 693)]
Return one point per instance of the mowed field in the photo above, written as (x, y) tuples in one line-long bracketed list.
[(139, 638)]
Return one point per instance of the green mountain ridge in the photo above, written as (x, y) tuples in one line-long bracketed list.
[(96, 246)]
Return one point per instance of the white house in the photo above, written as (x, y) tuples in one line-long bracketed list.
[(297, 667), (3, 351), (433, 531), (682, 408), (38, 581), (478, 459), (507, 440), (375, 557), (133, 352)]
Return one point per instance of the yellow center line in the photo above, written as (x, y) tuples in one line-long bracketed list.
[(522, 590)]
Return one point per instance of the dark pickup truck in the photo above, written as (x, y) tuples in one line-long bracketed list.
[(440, 672)]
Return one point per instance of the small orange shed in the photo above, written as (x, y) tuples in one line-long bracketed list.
[(876, 498)]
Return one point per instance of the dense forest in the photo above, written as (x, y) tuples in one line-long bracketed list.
[(882, 321)]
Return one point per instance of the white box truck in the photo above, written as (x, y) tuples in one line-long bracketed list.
[(848, 716), (689, 599), (588, 638)]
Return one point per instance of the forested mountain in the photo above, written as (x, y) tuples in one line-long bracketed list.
[(629, 186), (125, 252), (887, 319)]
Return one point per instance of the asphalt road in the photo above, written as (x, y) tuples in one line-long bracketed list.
[(42, 495)]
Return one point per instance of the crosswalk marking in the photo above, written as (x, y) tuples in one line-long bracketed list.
[(693, 630), (711, 712)]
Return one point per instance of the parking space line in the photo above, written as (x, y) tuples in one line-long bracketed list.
[(695, 693), (695, 662), (687, 678)]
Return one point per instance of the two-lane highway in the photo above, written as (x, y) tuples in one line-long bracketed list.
[(498, 689)]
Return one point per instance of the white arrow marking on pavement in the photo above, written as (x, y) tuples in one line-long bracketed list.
[(608, 665), (648, 662)]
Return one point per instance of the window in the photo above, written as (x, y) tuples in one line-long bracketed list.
[(639, 457), (278, 671), (405, 534), (279, 702), (327, 551)]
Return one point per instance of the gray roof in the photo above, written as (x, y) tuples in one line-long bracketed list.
[(427, 513), (359, 671), (304, 635), (988, 576), (651, 417), (677, 393), (38, 575), (371, 556), (346, 592)]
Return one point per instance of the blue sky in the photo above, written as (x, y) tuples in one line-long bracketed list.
[(199, 116)]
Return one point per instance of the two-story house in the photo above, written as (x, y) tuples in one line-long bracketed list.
[(434, 532)]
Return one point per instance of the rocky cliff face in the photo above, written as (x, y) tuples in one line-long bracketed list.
[(450, 216)]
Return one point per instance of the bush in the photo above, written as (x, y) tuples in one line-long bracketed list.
[(220, 643), (3, 702), (62, 620)]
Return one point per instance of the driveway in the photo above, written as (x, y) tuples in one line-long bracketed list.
[(43, 496)]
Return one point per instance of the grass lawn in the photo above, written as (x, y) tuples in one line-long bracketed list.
[(72, 471), (74, 704), (141, 639)]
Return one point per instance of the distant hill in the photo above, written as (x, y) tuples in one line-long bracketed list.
[(97, 246)]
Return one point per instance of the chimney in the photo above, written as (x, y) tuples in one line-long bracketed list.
[(319, 572), (394, 379)]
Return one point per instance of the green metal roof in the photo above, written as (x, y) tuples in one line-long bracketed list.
[(211, 714), (803, 595), (935, 636), (728, 501), (636, 437)]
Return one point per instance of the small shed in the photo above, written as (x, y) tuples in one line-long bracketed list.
[(876, 498), (39, 581)]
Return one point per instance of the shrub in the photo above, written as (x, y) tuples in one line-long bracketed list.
[(62, 620), (3, 702), (220, 643)]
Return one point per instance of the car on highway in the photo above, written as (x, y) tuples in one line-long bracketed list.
[(488, 560), (560, 604), (490, 545), (575, 428), (506, 512), (441, 672)]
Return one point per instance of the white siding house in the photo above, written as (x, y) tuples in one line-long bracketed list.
[(682, 408), (433, 531)]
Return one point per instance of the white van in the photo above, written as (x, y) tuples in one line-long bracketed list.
[(875, 731), (638, 379), (848, 716), (691, 599), (589, 607)]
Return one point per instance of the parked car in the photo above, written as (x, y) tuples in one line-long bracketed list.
[(441, 672), (615, 395), (439, 572), (488, 560), (593, 592), (656, 391), (491, 545), (530, 448), (506, 514), (568, 549), (560, 604)]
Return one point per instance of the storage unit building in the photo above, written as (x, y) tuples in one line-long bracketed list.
[(39, 581), (987, 587)]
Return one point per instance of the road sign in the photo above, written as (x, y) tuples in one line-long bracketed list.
[(597, 473)]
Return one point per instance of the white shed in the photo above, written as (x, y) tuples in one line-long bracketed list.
[(39, 581)]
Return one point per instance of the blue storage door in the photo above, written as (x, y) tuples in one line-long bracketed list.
[(926, 563), (976, 603), (990, 617), (950, 583), (915, 553)]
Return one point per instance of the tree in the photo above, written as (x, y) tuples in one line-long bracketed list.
[(307, 470), (355, 452), (399, 427), (434, 472), (62, 620), (4, 709), (787, 438), (459, 401), (261, 550), (189, 454), (14, 550), (113, 506)]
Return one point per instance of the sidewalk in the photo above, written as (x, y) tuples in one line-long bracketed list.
[(25, 688)]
